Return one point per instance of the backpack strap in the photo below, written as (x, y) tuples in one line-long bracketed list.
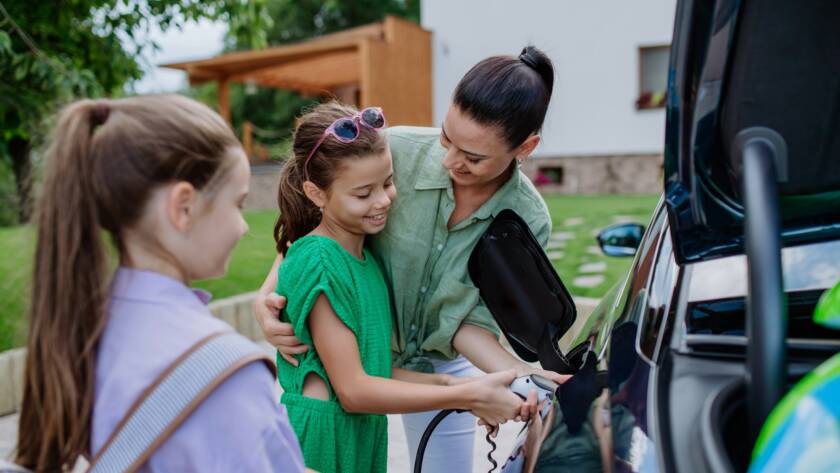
[(174, 395)]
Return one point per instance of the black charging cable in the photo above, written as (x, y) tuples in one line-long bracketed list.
[(421, 448)]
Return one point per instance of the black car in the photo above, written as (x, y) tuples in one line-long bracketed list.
[(679, 365)]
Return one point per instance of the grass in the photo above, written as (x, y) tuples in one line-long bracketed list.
[(579, 216), (582, 217)]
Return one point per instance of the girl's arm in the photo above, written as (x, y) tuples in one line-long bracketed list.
[(487, 397), (484, 351)]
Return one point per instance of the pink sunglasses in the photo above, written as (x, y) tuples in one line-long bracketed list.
[(347, 130)]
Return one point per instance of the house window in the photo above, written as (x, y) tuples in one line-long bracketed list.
[(653, 76), (549, 175)]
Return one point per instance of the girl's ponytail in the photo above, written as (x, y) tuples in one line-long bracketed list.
[(68, 300), (298, 214)]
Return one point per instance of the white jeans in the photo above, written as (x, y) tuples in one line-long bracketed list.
[(450, 448)]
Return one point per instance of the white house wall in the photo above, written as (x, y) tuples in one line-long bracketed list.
[(594, 45)]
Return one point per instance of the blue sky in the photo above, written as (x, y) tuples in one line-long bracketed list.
[(195, 41)]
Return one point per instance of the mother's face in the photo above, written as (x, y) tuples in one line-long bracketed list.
[(477, 154)]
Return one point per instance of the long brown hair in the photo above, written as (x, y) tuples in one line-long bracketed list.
[(298, 214), (105, 158)]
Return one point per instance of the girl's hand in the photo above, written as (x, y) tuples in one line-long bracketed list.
[(527, 411), (279, 334), (530, 407), (493, 401), (492, 430)]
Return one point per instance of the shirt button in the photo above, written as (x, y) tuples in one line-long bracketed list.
[(423, 289), (440, 246)]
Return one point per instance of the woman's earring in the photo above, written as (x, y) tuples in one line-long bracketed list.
[(321, 209)]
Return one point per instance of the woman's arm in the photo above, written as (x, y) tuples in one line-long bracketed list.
[(408, 376), (267, 307), (484, 351), (488, 397)]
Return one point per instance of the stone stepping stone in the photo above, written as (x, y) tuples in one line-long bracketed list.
[(598, 267), (624, 219), (562, 236), (571, 222), (552, 255), (588, 281), (594, 250), (556, 245)]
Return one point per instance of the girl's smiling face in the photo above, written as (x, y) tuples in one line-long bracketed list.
[(359, 198)]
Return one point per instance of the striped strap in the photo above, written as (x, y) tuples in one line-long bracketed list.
[(169, 401)]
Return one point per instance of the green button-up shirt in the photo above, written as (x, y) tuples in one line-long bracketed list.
[(426, 262)]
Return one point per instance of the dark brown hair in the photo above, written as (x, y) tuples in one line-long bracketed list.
[(105, 158), (298, 214), (509, 92)]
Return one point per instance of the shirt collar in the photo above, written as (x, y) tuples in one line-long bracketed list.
[(432, 174), (148, 286)]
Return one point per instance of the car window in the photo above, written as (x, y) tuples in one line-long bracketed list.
[(805, 267)]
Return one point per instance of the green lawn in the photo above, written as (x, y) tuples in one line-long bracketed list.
[(581, 217), (576, 216)]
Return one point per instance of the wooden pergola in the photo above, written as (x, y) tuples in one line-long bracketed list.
[(386, 64)]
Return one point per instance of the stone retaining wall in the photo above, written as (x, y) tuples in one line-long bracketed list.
[(607, 174)]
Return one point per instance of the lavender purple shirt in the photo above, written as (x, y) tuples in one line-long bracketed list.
[(152, 320)]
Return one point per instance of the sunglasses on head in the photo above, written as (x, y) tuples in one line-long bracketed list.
[(347, 130)]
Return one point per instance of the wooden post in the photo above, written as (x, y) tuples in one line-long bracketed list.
[(224, 100), (247, 138)]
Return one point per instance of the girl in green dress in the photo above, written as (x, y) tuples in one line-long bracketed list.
[(337, 188)]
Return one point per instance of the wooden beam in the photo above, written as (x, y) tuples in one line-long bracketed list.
[(248, 139), (224, 100), (323, 71)]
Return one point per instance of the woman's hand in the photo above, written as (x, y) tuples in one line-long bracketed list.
[(525, 369), (450, 380), (281, 335), (494, 402)]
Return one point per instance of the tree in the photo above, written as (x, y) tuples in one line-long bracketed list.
[(296, 20), (53, 52)]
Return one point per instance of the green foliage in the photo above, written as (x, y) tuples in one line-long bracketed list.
[(8, 196), (52, 53), (295, 20)]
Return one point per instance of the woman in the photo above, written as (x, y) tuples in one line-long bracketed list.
[(451, 182)]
